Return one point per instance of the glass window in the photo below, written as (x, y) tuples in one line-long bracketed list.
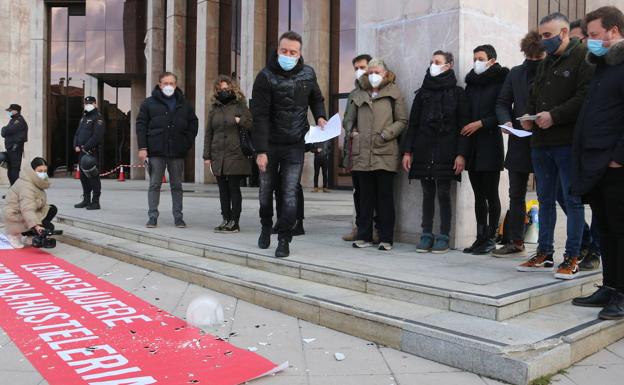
[(290, 16), (95, 52), (96, 15), (77, 28), (58, 61), (347, 53), (114, 14), (58, 20), (115, 54)]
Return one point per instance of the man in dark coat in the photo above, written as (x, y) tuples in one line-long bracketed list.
[(433, 149), (15, 134), (166, 128), (282, 93), (87, 139), (598, 154), (483, 84), (512, 103), (556, 98)]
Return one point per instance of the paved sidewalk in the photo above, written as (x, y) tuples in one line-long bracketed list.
[(279, 337)]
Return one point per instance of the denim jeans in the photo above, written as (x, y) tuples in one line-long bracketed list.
[(591, 234), (553, 166), (283, 174), (443, 189), (156, 171)]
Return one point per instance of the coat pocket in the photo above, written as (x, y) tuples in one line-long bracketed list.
[(355, 144), (383, 147)]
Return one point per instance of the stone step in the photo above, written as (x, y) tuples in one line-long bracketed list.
[(499, 303), (517, 350)]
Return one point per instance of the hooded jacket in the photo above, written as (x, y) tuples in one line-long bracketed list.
[(26, 204), (165, 133), (599, 131), (379, 121), (280, 101), (487, 149), (222, 139), (439, 111)]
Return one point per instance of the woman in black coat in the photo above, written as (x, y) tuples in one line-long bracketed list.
[(483, 84), (433, 149)]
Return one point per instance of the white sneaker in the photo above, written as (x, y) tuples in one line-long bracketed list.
[(15, 241), (360, 244), (385, 246)]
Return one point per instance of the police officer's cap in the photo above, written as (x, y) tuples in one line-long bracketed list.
[(90, 99), (14, 107)]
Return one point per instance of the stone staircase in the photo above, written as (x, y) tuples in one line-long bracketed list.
[(513, 335)]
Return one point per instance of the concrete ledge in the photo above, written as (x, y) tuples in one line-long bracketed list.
[(482, 346)]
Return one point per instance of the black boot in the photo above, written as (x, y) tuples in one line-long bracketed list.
[(600, 298), (220, 228), (489, 243), (275, 228), (231, 227), (264, 241), (95, 203), (481, 236), (282, 250), (298, 228), (86, 201), (615, 308)]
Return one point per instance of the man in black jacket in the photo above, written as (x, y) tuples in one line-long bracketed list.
[(166, 128), (15, 134), (512, 103), (282, 93), (483, 84), (598, 154), (87, 139), (556, 98)]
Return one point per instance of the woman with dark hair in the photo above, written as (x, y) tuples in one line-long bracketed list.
[(26, 211), (222, 149)]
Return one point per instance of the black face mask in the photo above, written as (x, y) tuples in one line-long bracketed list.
[(225, 96)]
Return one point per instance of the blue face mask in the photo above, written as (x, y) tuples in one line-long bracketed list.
[(287, 62), (595, 46), (551, 45), (10, 114)]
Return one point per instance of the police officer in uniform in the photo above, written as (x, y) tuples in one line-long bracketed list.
[(15, 134), (86, 141)]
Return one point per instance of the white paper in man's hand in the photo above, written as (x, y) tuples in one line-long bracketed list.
[(527, 117), (515, 132), (332, 129)]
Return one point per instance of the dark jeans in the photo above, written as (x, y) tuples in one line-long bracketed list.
[(321, 163), (517, 205), (376, 193), (607, 203), (15, 163), (300, 202), (443, 189), (230, 196), (591, 234), (92, 184), (553, 166), (356, 199), (487, 202), (282, 175), (157, 166)]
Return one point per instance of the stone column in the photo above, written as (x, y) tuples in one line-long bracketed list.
[(137, 96), (316, 48), (176, 40), (405, 35), (207, 71), (154, 43)]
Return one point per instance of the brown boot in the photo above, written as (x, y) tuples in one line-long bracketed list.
[(350, 237)]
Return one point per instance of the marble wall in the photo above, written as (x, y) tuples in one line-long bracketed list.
[(406, 35)]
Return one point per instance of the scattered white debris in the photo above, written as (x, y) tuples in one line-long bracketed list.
[(129, 278), (308, 340), (339, 356), (263, 343), (105, 275), (252, 349)]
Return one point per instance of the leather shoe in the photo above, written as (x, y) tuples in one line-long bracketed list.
[(282, 250), (264, 240), (614, 309), (600, 298)]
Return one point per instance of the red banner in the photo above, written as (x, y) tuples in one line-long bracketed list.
[(77, 329)]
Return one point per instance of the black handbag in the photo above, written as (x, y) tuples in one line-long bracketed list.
[(246, 144)]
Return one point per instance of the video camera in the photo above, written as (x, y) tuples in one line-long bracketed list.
[(42, 240)]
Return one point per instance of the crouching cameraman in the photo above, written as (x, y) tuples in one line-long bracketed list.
[(26, 211)]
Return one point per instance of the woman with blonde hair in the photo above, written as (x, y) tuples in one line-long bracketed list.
[(378, 112), (228, 116)]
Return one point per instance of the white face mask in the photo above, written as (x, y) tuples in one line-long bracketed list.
[(168, 90), (42, 175), (359, 73), (89, 107), (480, 67), (375, 80), (436, 69)]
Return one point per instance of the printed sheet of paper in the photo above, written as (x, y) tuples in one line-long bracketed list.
[(332, 129), (515, 132)]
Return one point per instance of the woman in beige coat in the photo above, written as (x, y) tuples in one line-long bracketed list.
[(26, 211), (379, 115)]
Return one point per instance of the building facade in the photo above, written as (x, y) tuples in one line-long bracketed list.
[(54, 52)]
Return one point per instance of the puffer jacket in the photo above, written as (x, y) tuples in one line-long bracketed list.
[(373, 117), (280, 101), (222, 139), (26, 204), (15, 133)]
